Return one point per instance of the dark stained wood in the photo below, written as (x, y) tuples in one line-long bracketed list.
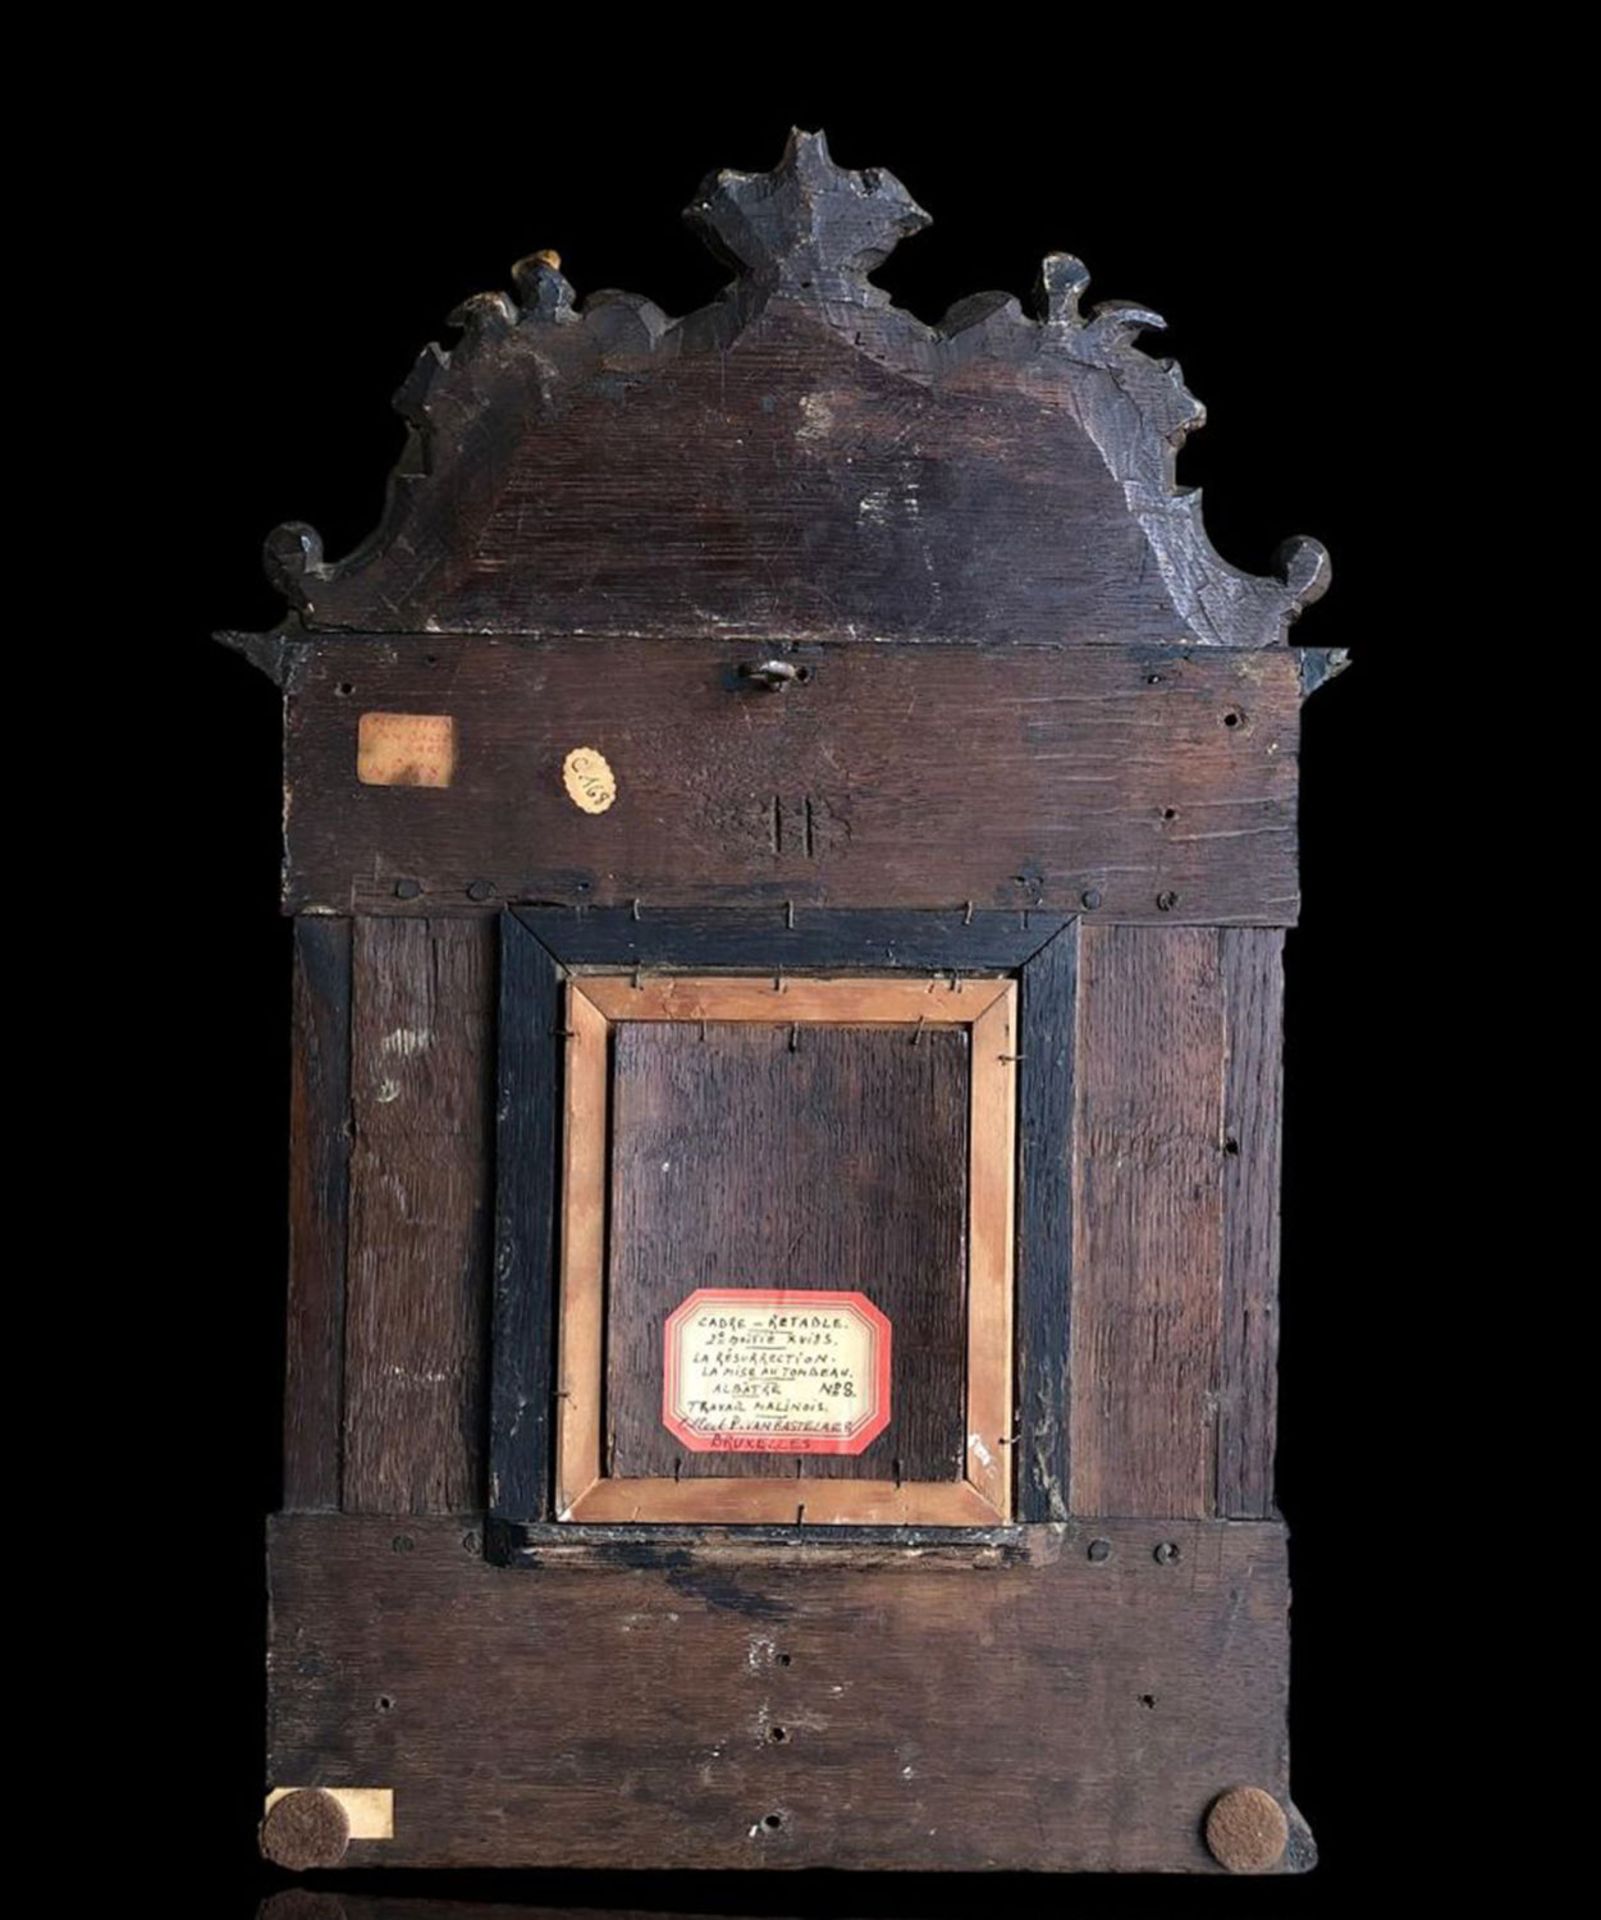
[(319, 1168), (1049, 987), (1253, 984), (839, 1163), (779, 938), (321, 1903), (1147, 1221), (801, 456), (418, 1278), (896, 777), (1066, 1714), (527, 1109)]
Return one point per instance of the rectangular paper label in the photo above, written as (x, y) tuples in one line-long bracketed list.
[(776, 1370)]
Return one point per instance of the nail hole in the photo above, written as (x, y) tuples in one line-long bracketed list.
[(784, 1659), (345, 687), (1233, 717), (1170, 813), (1147, 1699), (803, 674), (773, 1822), (386, 1703), (403, 1543), (778, 1735), (1231, 1145), (430, 659), (1153, 679)]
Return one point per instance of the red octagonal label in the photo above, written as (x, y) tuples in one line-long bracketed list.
[(776, 1370)]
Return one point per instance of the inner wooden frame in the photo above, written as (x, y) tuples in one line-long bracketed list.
[(988, 1008)]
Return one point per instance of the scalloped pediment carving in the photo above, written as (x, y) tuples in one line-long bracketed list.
[(800, 458)]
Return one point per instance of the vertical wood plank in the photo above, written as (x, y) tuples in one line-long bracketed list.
[(1046, 1014), (523, 1380), (1148, 1221), (319, 1166), (417, 1277), (1253, 996)]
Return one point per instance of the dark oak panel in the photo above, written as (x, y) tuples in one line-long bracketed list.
[(1147, 1221), (418, 1279), (837, 1163), (895, 777), (938, 1711), (319, 1171)]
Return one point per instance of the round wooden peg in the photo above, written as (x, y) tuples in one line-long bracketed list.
[(1247, 1830), (305, 1829)]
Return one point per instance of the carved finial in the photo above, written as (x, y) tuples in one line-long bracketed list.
[(290, 554), (1062, 280), (544, 293), (809, 227)]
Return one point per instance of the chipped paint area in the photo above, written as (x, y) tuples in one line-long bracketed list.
[(817, 418), (407, 1042), (981, 1453)]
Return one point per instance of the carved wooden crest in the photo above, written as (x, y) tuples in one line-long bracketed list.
[(605, 468)]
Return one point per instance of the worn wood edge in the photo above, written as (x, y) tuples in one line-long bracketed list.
[(954, 1000), (1047, 1023), (789, 937), (580, 1403), (842, 1544), (991, 1236), (812, 1503)]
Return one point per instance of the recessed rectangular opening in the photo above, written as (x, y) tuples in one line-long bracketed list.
[(785, 1289)]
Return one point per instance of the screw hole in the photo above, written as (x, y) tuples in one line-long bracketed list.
[(784, 1659), (773, 1822), (386, 1703), (345, 688), (778, 1735), (1100, 1551), (1167, 1554), (1233, 717)]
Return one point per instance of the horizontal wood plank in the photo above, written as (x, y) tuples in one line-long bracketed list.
[(1158, 785), (1076, 1712)]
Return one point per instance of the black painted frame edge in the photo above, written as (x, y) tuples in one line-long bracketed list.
[(539, 944)]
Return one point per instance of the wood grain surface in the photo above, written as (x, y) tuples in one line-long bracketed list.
[(422, 1084), (319, 1211), (839, 1163), (929, 1710), (895, 777)]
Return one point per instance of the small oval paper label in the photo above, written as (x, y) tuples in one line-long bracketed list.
[(589, 780)]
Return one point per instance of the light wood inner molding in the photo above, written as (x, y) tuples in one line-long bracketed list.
[(583, 1491)]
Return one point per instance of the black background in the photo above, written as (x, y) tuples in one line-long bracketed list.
[(297, 242)]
